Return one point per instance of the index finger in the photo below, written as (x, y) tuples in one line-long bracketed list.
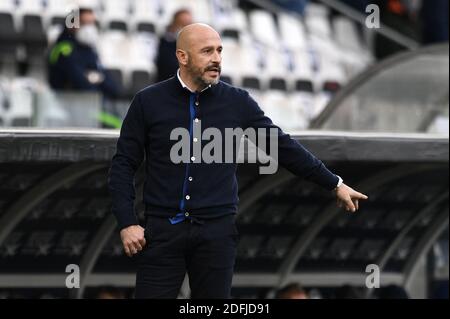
[(359, 195)]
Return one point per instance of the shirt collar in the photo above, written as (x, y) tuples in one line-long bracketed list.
[(187, 87)]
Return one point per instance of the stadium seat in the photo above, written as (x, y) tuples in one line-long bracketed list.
[(252, 62), (263, 27), (316, 20), (227, 17), (253, 83), (34, 35), (201, 9), (142, 50), (56, 11), (7, 6), (139, 80), (346, 34), (221, 14), (276, 68), (117, 76), (31, 7), (113, 49), (276, 105), (145, 12), (20, 110), (115, 14), (230, 33), (302, 103), (231, 56), (9, 37), (4, 102), (292, 32), (278, 84), (147, 27)]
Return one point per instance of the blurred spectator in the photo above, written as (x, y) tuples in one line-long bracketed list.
[(297, 6), (348, 292), (435, 21), (292, 291), (392, 292), (359, 5), (166, 60), (110, 292), (440, 291), (401, 16), (73, 62)]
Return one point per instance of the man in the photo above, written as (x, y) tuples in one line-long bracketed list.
[(73, 61), (191, 206), (166, 60), (292, 291)]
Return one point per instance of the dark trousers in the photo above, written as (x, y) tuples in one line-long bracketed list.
[(205, 249)]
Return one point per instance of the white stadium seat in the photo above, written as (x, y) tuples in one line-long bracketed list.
[(8, 6), (231, 56), (346, 34), (116, 13), (292, 31), (263, 27), (278, 107), (20, 102), (144, 12), (316, 19)]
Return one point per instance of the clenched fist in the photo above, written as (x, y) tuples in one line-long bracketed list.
[(133, 239)]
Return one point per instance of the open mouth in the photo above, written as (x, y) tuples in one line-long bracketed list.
[(214, 71)]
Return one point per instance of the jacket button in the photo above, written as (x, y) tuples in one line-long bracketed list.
[(190, 178), (188, 197), (186, 214)]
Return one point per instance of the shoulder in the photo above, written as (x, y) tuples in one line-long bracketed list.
[(232, 91), (156, 88), (62, 48)]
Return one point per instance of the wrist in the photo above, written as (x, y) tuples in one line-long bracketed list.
[(339, 183)]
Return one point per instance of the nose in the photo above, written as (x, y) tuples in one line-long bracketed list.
[(216, 58)]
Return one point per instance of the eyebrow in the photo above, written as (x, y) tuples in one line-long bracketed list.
[(211, 47)]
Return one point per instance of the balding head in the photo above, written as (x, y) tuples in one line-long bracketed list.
[(199, 50), (195, 33)]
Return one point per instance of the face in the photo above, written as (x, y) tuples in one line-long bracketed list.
[(204, 60), (182, 20), (298, 295), (87, 18)]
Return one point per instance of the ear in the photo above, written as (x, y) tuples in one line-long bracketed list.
[(182, 57)]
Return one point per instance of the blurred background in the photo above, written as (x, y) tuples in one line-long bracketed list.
[(362, 84)]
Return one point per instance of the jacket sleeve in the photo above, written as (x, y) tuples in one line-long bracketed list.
[(109, 86), (75, 73), (291, 154), (129, 155)]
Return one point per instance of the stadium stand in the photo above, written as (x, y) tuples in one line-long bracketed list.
[(262, 48)]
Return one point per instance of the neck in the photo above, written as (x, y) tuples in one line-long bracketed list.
[(190, 82)]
